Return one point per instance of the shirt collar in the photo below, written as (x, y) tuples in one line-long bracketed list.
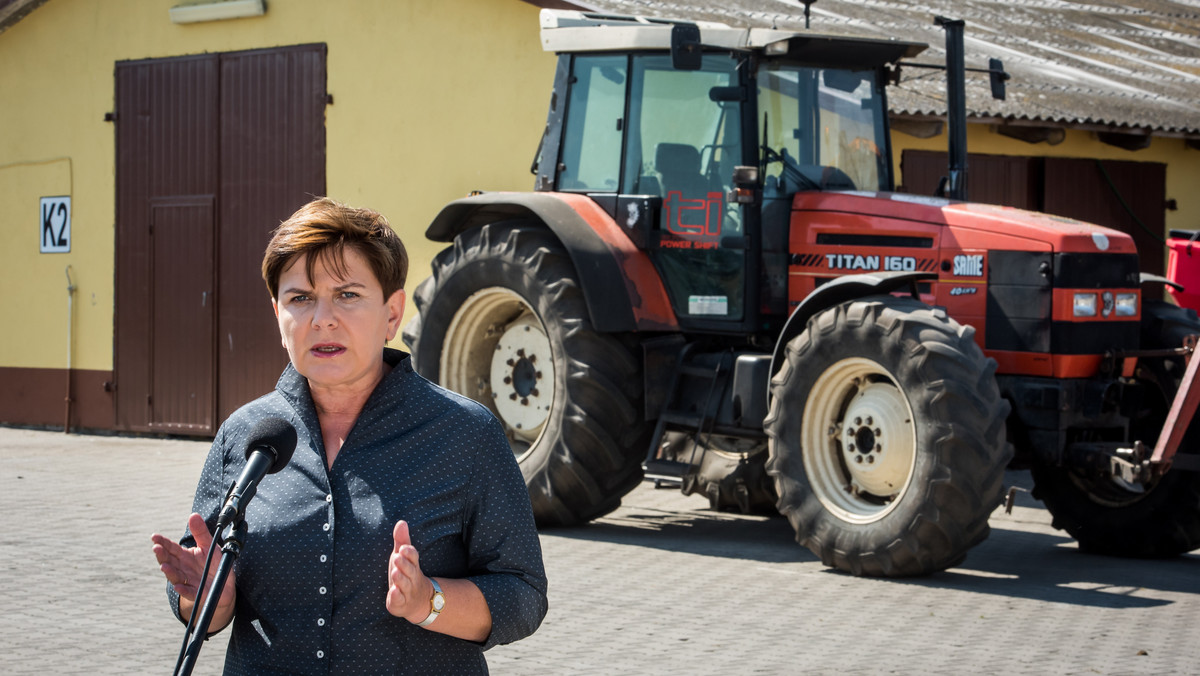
[(388, 394)]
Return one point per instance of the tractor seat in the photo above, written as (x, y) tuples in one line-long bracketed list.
[(679, 166)]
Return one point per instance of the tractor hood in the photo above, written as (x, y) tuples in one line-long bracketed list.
[(1060, 233)]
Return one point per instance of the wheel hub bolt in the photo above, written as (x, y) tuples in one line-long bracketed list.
[(858, 421), (870, 459), (869, 421), (858, 459)]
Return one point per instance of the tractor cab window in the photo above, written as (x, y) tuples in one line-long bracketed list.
[(822, 129), (591, 151), (682, 144)]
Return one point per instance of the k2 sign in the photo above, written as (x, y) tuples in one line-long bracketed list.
[(55, 226)]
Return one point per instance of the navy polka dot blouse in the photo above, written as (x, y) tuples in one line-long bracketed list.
[(312, 577)]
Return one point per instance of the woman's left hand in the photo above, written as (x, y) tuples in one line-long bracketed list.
[(409, 591)]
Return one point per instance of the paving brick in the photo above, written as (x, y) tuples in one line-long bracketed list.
[(661, 586)]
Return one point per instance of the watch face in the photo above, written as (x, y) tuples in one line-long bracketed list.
[(439, 602)]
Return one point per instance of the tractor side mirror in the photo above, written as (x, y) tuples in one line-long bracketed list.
[(745, 185), (686, 52), (998, 77)]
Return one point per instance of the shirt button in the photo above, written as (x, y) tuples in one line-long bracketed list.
[(329, 498), (320, 654), (322, 558), (325, 527), (322, 590), (320, 622)]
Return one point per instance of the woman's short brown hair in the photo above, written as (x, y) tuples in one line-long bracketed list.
[(323, 229)]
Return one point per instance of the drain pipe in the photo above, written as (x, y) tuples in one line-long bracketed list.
[(70, 317)]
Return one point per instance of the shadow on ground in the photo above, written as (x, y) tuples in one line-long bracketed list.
[(1015, 561)]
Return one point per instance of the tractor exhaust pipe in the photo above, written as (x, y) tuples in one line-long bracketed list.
[(956, 107)]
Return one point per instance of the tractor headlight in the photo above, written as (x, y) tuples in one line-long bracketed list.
[(1085, 305), (1127, 304)]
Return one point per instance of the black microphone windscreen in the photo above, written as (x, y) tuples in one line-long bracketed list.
[(276, 434)]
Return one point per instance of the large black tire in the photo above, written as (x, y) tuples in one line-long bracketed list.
[(1158, 520), (503, 321), (887, 438)]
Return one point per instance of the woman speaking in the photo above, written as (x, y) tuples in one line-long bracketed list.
[(399, 538)]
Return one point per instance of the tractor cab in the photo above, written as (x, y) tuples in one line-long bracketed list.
[(696, 137)]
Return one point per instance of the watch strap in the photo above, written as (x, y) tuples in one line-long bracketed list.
[(435, 609)]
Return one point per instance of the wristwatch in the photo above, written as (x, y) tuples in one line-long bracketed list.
[(436, 604)]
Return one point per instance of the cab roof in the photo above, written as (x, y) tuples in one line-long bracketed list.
[(574, 31)]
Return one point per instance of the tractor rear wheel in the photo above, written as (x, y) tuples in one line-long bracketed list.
[(503, 321), (887, 438), (1108, 516)]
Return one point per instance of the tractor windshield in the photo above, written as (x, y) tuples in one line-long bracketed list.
[(822, 129)]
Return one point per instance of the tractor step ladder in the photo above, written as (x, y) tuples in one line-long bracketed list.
[(663, 471)]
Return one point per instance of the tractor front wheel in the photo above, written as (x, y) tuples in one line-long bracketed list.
[(1109, 516), (887, 439)]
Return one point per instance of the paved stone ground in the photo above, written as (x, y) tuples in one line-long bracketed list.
[(662, 586)]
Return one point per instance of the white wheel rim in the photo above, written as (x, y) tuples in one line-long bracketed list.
[(519, 388), (496, 351), (858, 440)]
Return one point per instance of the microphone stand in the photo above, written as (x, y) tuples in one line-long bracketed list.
[(231, 548)]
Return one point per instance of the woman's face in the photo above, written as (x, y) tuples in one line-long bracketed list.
[(334, 328)]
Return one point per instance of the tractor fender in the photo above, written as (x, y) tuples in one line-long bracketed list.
[(839, 291), (605, 259)]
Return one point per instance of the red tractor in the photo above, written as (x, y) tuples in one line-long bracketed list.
[(713, 285)]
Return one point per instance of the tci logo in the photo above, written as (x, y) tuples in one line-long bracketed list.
[(695, 218), (968, 266)]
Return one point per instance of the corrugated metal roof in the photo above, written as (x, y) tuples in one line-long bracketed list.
[(12, 11), (1128, 67)]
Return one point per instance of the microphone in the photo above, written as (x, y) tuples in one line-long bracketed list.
[(272, 442)]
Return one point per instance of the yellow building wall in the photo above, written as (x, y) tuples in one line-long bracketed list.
[(1183, 163), (432, 98)]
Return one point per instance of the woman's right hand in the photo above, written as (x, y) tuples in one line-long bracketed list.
[(182, 566)]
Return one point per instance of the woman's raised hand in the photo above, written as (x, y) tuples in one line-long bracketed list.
[(183, 566)]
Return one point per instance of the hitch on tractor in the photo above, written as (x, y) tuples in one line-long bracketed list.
[(1131, 464)]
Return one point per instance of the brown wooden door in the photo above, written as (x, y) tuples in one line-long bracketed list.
[(991, 179), (213, 151), (1098, 191), (181, 327), (167, 128), (272, 161)]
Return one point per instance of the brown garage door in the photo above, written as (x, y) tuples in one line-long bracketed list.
[(213, 151)]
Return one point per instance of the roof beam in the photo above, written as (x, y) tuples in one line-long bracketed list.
[(1123, 140), (12, 11)]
